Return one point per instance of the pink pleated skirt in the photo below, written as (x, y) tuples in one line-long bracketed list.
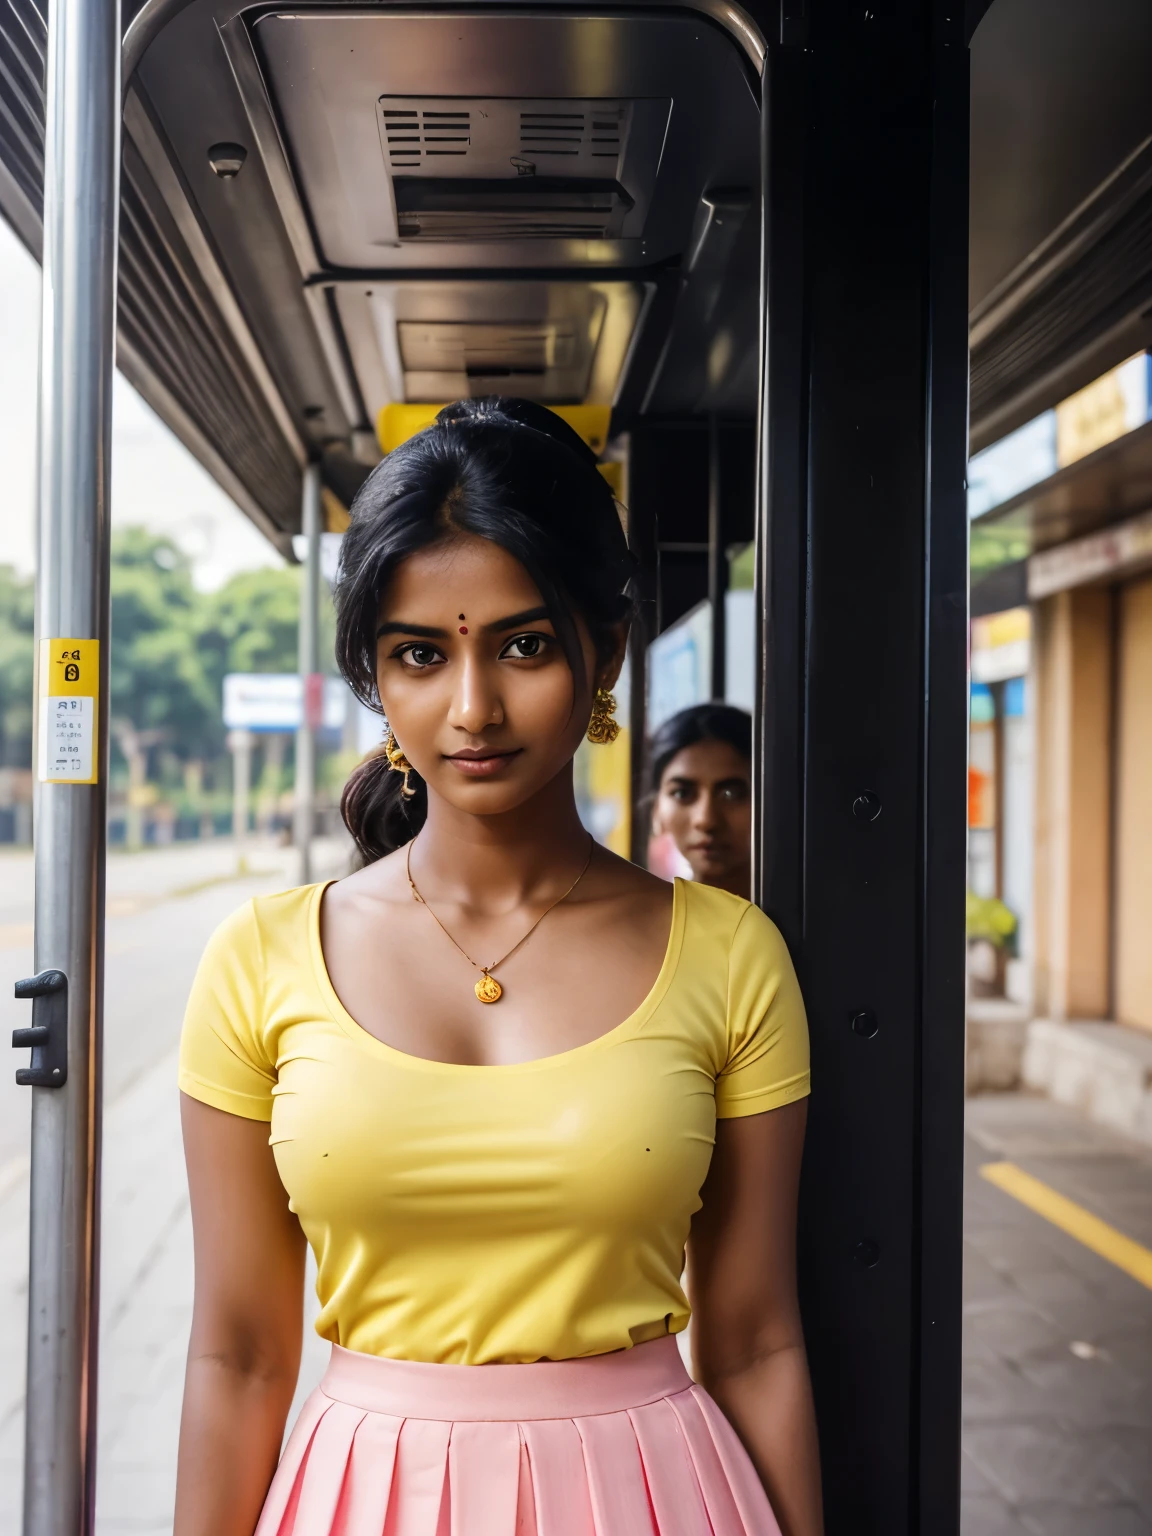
[(614, 1445)]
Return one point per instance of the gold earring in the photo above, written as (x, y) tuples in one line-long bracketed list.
[(603, 729), (399, 763)]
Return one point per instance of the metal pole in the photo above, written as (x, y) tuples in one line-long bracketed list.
[(717, 562), (81, 202), (240, 745), (311, 682)]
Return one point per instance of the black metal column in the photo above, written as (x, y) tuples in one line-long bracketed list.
[(642, 541), (860, 832), (717, 563)]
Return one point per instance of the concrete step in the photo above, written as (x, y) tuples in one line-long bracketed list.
[(1102, 1069), (997, 1034)]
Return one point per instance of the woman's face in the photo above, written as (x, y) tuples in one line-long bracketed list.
[(704, 804), (473, 680)]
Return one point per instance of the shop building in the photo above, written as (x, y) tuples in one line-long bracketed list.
[(1080, 716)]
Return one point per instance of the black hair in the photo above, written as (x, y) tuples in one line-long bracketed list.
[(702, 722), (506, 470)]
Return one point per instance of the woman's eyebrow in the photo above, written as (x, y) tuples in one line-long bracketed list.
[(514, 620), (400, 627)]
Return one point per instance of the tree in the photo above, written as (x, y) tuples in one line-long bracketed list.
[(159, 688), (171, 647), (16, 662), (251, 625)]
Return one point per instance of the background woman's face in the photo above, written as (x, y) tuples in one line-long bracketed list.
[(704, 804), (473, 679)]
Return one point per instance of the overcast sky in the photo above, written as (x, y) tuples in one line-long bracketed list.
[(155, 481)]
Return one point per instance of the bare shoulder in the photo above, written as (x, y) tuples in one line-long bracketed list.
[(382, 883), (631, 895)]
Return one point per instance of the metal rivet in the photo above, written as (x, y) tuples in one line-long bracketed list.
[(866, 1253), (866, 806), (226, 159), (864, 1024)]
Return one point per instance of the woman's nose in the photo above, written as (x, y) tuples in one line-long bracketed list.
[(475, 700), (706, 811)]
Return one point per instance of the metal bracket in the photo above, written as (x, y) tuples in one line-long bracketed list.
[(48, 1036)]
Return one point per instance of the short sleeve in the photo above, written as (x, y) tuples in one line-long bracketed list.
[(767, 1063), (223, 1060)]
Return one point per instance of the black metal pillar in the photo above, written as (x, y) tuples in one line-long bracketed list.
[(717, 561), (642, 540), (860, 831)]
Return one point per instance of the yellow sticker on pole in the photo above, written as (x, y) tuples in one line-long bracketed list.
[(69, 688)]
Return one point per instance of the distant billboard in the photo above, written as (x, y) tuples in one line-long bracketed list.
[(1109, 408), (273, 701)]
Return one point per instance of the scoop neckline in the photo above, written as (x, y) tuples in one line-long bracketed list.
[(367, 1040)]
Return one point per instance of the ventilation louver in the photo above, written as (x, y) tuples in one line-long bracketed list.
[(412, 133), (552, 136), (512, 170)]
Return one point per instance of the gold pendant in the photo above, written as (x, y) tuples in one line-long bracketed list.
[(488, 989)]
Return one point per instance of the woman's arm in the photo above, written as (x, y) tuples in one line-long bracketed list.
[(247, 1322), (747, 1343)]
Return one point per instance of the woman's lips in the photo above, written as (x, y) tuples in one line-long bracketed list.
[(481, 765)]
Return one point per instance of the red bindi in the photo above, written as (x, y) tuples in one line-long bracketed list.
[(463, 629)]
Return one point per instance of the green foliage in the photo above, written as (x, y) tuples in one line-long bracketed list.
[(171, 646), (16, 662), (986, 917), (251, 624), (157, 680)]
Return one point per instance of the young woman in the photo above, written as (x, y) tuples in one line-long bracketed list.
[(701, 785), (498, 1079)]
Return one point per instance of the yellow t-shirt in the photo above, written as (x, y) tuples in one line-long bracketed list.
[(474, 1214)]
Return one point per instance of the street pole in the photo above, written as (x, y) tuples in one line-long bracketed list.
[(81, 203), (240, 746), (311, 682)]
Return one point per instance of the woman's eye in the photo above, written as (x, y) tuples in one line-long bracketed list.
[(419, 655), (735, 793), (524, 647), (685, 793)]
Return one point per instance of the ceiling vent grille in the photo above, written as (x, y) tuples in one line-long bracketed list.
[(520, 168), (552, 136), (413, 134)]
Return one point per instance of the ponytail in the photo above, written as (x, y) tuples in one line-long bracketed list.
[(376, 811)]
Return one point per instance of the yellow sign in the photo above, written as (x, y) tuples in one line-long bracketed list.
[(398, 422), (1108, 408), (69, 691)]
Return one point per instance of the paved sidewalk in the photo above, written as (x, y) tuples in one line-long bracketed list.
[(1058, 1342)]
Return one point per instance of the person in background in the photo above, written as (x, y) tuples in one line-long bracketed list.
[(701, 787)]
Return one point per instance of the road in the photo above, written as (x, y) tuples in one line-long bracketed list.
[(162, 905), (1058, 1340)]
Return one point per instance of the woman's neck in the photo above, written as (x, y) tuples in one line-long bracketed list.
[(738, 881), (497, 862)]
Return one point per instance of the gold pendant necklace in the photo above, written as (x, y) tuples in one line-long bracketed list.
[(487, 988)]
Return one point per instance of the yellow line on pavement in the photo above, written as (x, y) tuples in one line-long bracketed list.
[(1125, 1252)]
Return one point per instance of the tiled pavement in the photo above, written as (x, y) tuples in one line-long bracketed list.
[(1057, 1342)]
